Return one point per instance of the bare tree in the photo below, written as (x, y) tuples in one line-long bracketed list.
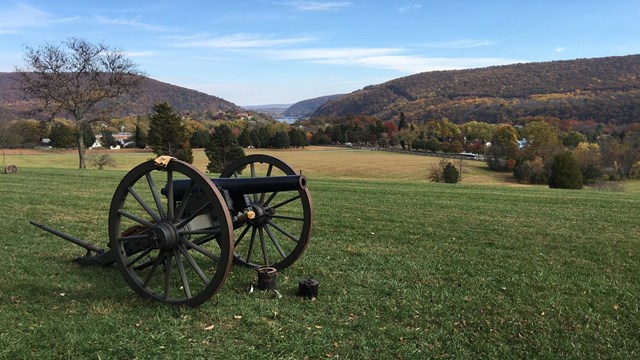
[(78, 79)]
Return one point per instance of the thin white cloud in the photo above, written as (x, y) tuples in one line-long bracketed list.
[(408, 8), (135, 22), (559, 49), (329, 55), (22, 16), (459, 44), (139, 54), (414, 64), (383, 58), (318, 5), (239, 41)]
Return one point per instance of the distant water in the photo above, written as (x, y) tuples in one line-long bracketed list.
[(288, 120)]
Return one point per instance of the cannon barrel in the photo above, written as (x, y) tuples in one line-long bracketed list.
[(243, 186)]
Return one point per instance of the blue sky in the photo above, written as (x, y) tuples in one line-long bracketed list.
[(280, 51)]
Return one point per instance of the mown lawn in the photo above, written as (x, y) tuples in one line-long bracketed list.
[(406, 270)]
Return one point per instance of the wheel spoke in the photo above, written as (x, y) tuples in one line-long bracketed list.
[(200, 249), (193, 263), (268, 174), (139, 257), (156, 263), (252, 166), (285, 232), (275, 242), (215, 231), (271, 197), (183, 275), (144, 204), (193, 215), (170, 204), (263, 244), (167, 275), (184, 200), (286, 202), (135, 218), (156, 195), (134, 237), (253, 238), (204, 239), (244, 232), (288, 217)]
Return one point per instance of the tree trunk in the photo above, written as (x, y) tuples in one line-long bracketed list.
[(81, 148)]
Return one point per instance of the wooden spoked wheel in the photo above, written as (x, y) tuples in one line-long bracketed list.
[(281, 229), (182, 248)]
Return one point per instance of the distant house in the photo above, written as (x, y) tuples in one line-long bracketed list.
[(121, 137)]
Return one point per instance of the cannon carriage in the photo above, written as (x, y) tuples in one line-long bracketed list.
[(174, 233)]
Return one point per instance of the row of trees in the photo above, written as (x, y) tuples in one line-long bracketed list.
[(61, 133), (169, 134), (526, 146)]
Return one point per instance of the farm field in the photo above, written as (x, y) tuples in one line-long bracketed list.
[(315, 162), (407, 269)]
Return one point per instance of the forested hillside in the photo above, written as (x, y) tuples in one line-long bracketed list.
[(308, 107), (603, 89), (14, 105)]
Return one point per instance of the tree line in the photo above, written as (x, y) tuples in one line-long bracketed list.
[(525, 146)]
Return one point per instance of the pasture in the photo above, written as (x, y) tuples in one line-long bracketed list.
[(407, 269)]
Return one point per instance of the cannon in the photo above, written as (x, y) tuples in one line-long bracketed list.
[(174, 233)]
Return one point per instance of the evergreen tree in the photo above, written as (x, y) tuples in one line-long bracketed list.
[(450, 174), (88, 136), (167, 133), (108, 139), (281, 140), (263, 135), (565, 172), (403, 121), (255, 138), (223, 149), (140, 138), (297, 138), (244, 139), (199, 139), (337, 136)]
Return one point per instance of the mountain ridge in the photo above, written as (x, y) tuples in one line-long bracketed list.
[(566, 89), (16, 105)]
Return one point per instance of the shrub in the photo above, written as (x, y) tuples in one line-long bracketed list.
[(450, 174), (565, 172), (435, 173), (102, 160), (532, 171)]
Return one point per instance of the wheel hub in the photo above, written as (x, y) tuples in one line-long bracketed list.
[(262, 215), (165, 236)]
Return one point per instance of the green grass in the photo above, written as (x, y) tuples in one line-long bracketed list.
[(406, 270)]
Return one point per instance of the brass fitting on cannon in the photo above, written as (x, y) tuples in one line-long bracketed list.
[(245, 217)]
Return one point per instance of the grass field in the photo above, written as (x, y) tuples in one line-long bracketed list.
[(316, 162), (407, 269)]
